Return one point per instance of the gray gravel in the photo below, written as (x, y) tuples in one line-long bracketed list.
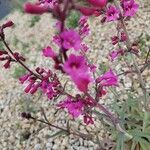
[(19, 134)]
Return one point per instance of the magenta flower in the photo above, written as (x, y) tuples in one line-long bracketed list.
[(83, 27), (84, 47), (48, 89), (123, 37), (112, 13), (57, 40), (114, 40), (114, 54), (75, 64), (35, 8), (75, 108), (77, 68), (129, 7), (108, 79), (48, 52), (49, 3), (98, 3), (82, 80), (88, 119), (25, 77), (71, 39)]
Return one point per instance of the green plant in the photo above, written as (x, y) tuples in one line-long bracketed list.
[(136, 122), (72, 20)]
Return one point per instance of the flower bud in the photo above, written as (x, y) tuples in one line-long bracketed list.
[(98, 3), (34, 8), (7, 24), (87, 11)]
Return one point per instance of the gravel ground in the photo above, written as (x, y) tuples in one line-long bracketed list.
[(19, 134)]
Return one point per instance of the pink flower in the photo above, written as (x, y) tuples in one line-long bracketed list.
[(25, 77), (82, 80), (92, 67), (114, 54), (75, 64), (108, 79), (98, 3), (129, 7), (58, 25), (123, 37), (71, 39), (87, 11), (7, 24), (49, 3), (88, 119), (34, 8), (112, 13), (77, 68), (48, 89), (57, 40), (114, 40), (75, 108), (83, 27), (48, 52)]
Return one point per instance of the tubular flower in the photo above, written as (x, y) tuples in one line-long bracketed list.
[(75, 108), (98, 3), (108, 79), (71, 39), (130, 7), (112, 13)]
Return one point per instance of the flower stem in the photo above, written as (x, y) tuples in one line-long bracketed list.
[(19, 61), (128, 45)]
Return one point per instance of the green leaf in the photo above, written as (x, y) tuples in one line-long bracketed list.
[(146, 121), (120, 142), (145, 145)]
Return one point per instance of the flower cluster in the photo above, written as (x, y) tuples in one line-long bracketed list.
[(106, 80), (71, 58), (48, 83), (129, 8)]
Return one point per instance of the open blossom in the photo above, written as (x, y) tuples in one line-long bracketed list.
[(87, 11), (71, 39), (75, 108), (112, 13), (82, 80), (48, 52), (75, 64), (130, 7), (77, 68), (108, 79)]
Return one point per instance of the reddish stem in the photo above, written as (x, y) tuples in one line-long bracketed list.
[(19, 61)]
